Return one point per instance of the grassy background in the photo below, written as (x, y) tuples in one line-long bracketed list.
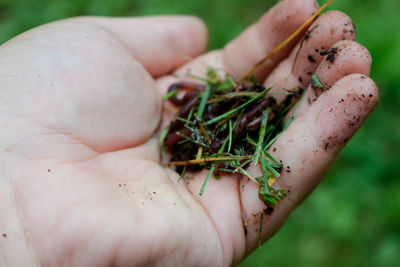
[(353, 218)]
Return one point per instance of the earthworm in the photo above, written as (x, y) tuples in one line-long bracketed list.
[(213, 111), (192, 99), (255, 124), (173, 138), (189, 86), (216, 144), (245, 118), (292, 98)]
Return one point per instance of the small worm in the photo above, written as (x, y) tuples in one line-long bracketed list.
[(189, 86), (173, 138), (213, 111), (245, 118), (255, 124), (216, 145), (192, 99)]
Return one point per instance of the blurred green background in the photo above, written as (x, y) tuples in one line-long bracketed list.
[(353, 218)]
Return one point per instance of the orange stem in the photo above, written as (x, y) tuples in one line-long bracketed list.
[(198, 161)]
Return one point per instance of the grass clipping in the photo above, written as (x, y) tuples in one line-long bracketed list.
[(224, 125)]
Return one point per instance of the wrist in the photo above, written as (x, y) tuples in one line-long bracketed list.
[(14, 248)]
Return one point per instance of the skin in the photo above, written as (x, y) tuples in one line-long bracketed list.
[(81, 180)]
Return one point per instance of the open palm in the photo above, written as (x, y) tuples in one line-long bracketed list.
[(81, 104)]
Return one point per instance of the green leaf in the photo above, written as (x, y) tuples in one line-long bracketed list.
[(229, 83), (212, 75), (316, 84), (253, 79), (170, 94)]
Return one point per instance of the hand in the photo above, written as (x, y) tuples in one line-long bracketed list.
[(82, 183)]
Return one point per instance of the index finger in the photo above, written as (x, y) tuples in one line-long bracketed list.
[(256, 41)]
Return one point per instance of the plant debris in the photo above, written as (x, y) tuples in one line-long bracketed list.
[(331, 54), (316, 84), (223, 126)]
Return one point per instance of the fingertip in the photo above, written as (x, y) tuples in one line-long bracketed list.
[(283, 20), (288, 12), (343, 26), (185, 37), (159, 43), (339, 113), (266, 34), (349, 57), (196, 31), (327, 30), (360, 90), (364, 86), (340, 18)]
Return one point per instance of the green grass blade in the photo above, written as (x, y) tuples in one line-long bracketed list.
[(230, 136), (182, 174), (233, 111), (203, 102), (261, 136), (170, 94), (203, 187)]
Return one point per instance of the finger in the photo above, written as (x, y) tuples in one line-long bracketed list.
[(261, 38), (297, 69), (161, 43), (257, 41), (308, 148), (350, 58), (222, 203)]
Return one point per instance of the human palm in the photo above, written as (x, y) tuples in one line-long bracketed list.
[(81, 107)]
